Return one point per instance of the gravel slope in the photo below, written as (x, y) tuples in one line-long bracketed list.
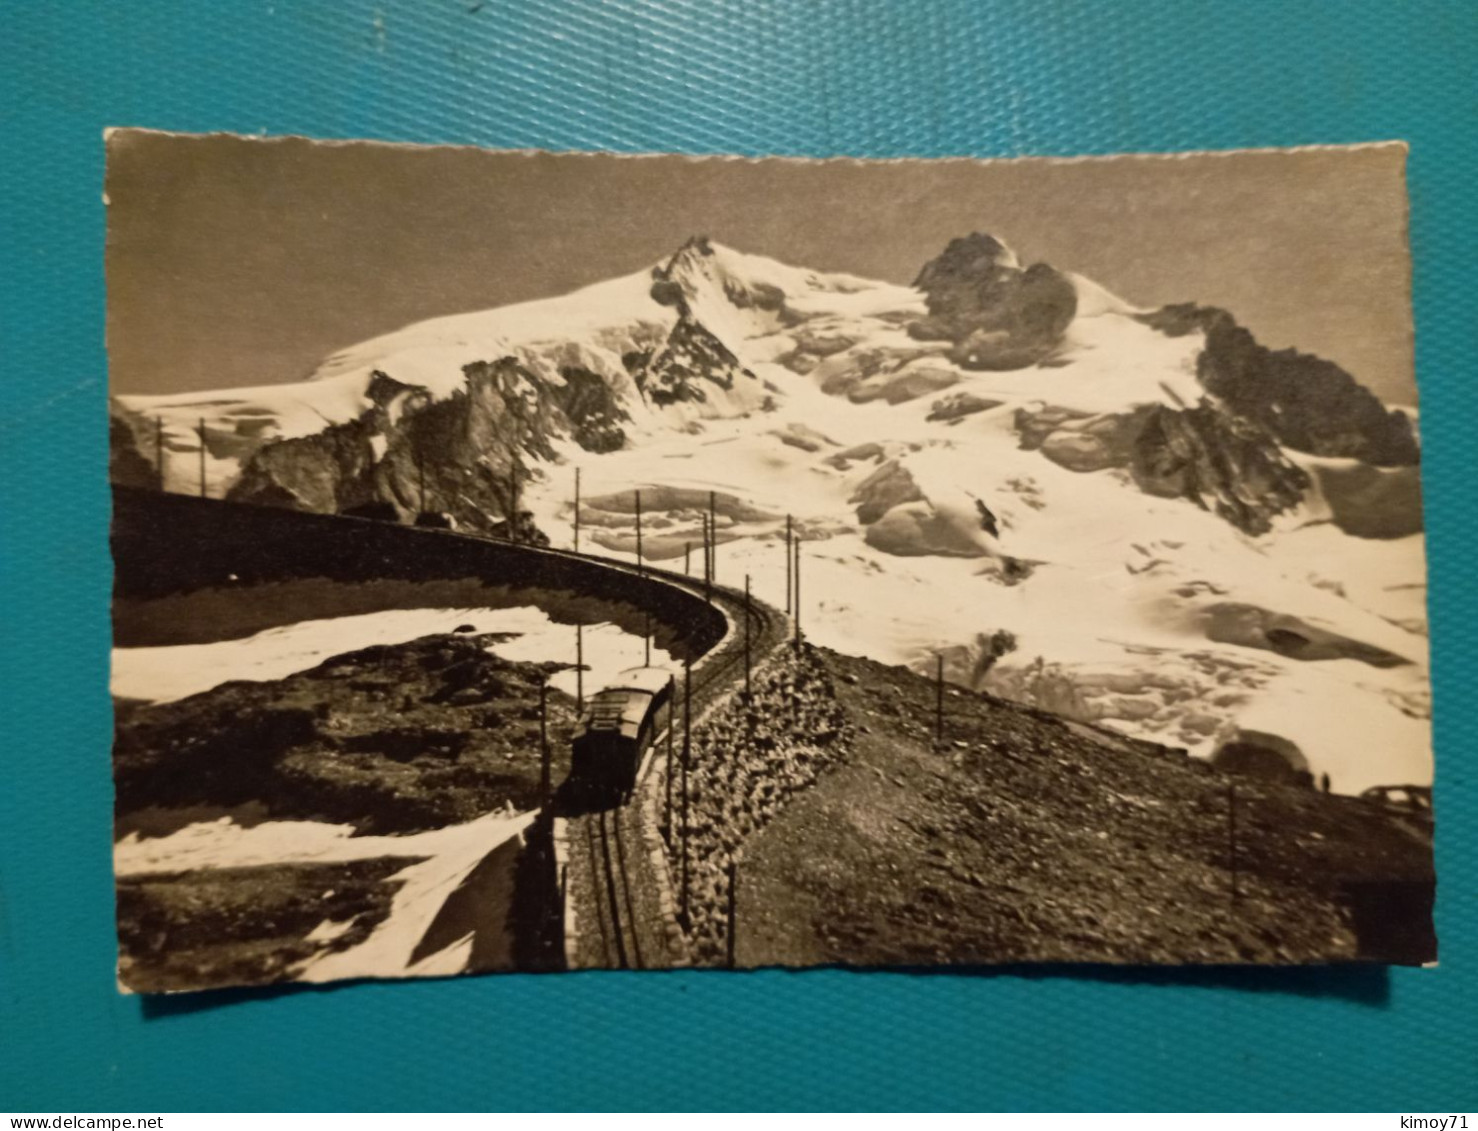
[(1028, 838)]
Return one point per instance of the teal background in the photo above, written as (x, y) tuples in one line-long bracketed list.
[(755, 76)]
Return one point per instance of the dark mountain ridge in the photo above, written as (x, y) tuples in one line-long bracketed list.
[(1308, 403), (471, 455)]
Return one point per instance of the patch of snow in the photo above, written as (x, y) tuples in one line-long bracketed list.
[(165, 674), (450, 854), (424, 890), (328, 931), (1095, 299), (222, 843)]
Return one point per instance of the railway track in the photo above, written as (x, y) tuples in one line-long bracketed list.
[(617, 920), (623, 928), (609, 841), (609, 844)]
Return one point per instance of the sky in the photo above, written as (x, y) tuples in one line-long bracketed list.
[(237, 261)]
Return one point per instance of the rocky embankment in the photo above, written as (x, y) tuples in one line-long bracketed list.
[(748, 760)]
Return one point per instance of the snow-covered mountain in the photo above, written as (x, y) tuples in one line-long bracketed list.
[(1138, 517)]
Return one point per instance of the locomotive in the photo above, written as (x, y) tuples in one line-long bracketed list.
[(614, 733)]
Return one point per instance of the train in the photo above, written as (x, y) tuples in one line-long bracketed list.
[(614, 732)]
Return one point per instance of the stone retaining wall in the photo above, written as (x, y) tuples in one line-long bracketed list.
[(747, 760)]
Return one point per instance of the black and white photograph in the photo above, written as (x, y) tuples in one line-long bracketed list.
[(543, 562)]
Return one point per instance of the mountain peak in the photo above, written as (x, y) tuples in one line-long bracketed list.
[(977, 254), (694, 246), (997, 315), (700, 267)]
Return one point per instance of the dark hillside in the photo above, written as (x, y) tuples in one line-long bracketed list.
[(1028, 838)]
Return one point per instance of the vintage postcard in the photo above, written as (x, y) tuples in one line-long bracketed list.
[(542, 562)]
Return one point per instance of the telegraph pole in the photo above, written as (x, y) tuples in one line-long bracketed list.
[(789, 603), (671, 763), (707, 561), (203, 492), (939, 698), (687, 707), (687, 556), (641, 569), (579, 667), (544, 769), (159, 448), (713, 535), (687, 757), (577, 510), (748, 693), (797, 593)]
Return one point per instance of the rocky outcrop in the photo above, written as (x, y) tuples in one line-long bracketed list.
[(871, 451), (1372, 502), (397, 738), (868, 374), (676, 282), (468, 456), (955, 407), (900, 520), (1306, 402), (680, 370), (889, 486), (918, 530), (903, 385), (1081, 441), (331, 472), (997, 315), (1218, 461), (812, 347), (804, 437), (594, 414), (127, 466), (1224, 463)]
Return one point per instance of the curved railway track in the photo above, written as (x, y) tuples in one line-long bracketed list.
[(605, 836), (611, 842)]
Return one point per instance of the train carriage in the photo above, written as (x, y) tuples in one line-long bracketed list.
[(614, 733)]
